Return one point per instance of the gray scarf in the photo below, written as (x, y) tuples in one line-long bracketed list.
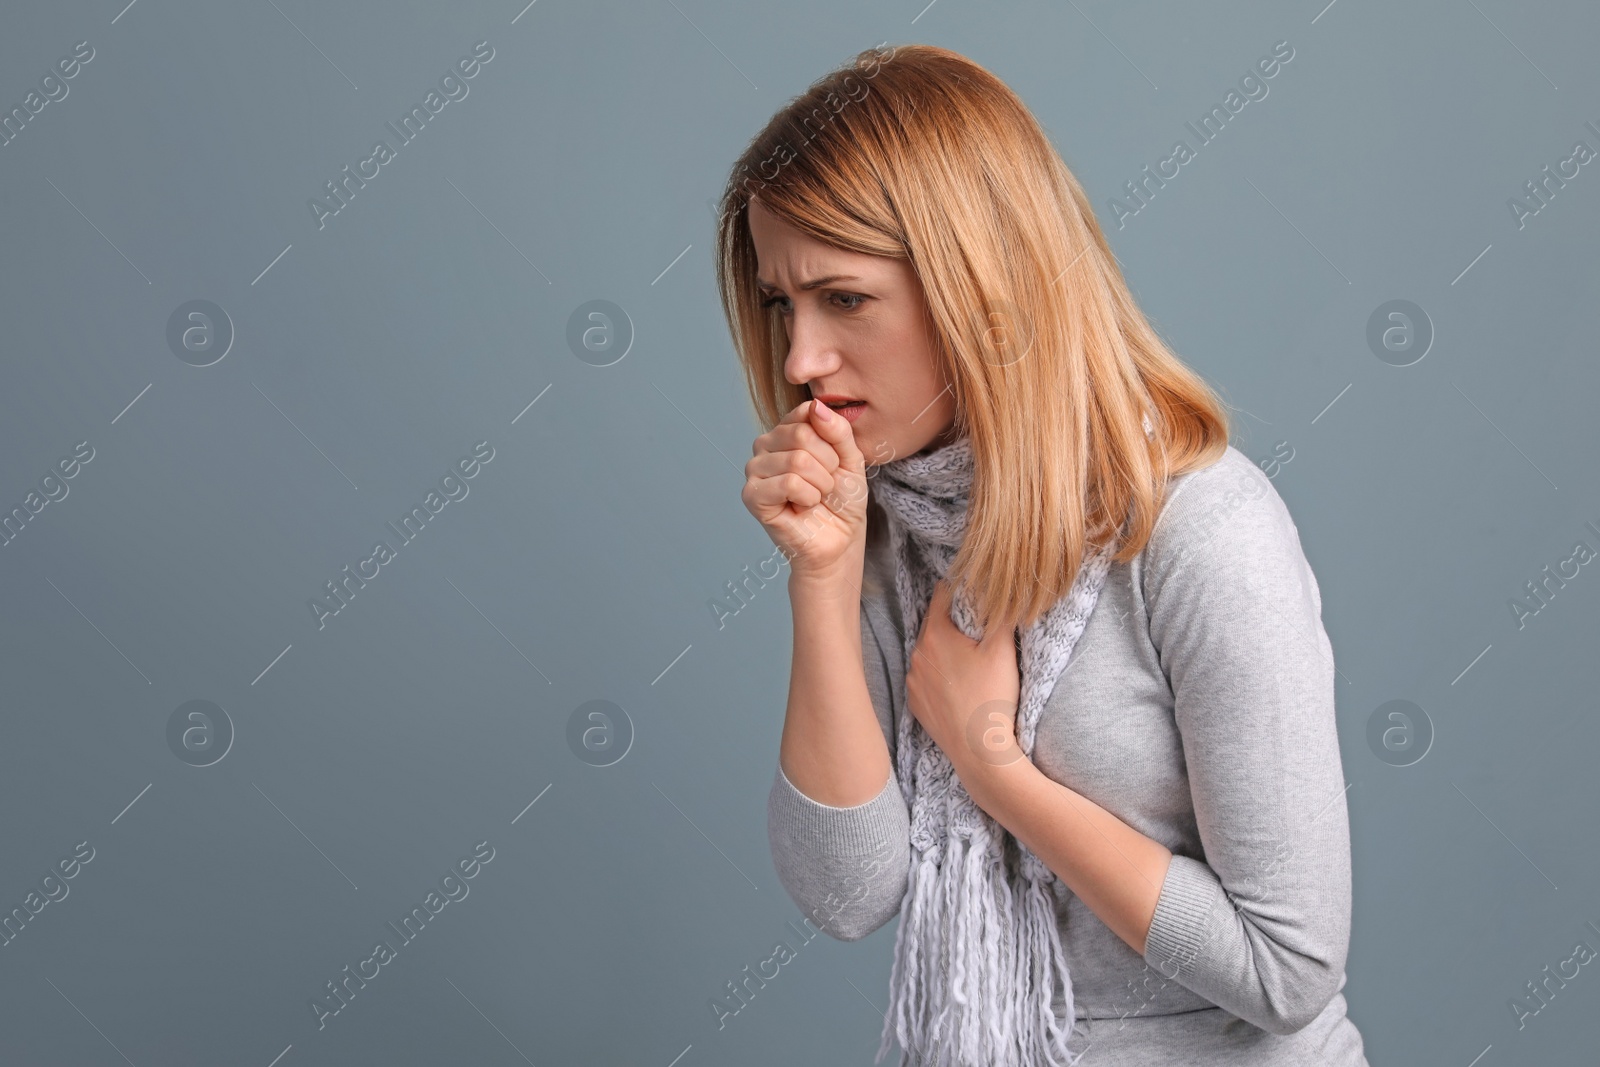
[(978, 954)]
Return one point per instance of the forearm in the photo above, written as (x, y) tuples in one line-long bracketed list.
[(1110, 866), (832, 749)]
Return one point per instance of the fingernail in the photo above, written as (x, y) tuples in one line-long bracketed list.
[(823, 409)]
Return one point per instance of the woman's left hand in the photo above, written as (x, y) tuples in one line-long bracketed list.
[(965, 692)]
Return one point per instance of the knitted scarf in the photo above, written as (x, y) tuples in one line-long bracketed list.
[(978, 954)]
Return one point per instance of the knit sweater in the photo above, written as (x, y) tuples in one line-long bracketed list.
[(1198, 708)]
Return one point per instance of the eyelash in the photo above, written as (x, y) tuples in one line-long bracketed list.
[(772, 300)]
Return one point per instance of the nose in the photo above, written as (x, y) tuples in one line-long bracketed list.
[(812, 351)]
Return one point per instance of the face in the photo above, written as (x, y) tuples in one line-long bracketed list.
[(858, 329)]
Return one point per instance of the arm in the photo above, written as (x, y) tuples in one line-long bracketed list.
[(1113, 868), (836, 821), (957, 688), (1258, 925), (832, 748)]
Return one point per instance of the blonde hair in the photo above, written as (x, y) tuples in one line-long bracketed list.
[(918, 153)]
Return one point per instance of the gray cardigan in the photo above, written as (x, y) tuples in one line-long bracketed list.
[(1198, 707)]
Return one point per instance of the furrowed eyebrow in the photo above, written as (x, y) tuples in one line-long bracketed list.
[(814, 283)]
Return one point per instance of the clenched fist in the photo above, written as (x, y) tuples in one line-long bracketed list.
[(806, 484)]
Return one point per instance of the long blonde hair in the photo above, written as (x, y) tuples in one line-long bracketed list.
[(918, 153)]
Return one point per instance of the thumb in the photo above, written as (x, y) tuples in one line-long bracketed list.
[(837, 431)]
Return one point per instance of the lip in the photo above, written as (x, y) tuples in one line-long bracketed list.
[(849, 414)]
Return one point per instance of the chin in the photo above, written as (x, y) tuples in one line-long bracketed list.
[(876, 450)]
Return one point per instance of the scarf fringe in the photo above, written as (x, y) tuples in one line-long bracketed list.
[(978, 955), (959, 953), (1050, 965)]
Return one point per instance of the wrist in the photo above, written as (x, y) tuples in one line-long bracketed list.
[(992, 784), (840, 580)]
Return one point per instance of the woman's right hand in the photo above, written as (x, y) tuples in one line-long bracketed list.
[(806, 484)]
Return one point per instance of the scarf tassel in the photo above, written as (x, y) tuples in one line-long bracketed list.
[(1050, 967), (962, 936), (978, 956)]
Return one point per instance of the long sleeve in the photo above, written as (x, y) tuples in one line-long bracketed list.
[(1260, 924), (845, 867)]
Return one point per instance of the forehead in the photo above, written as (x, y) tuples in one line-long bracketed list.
[(784, 254), (780, 240)]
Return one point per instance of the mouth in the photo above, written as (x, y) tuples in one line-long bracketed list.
[(849, 407)]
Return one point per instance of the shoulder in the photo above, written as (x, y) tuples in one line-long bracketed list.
[(1225, 526), (1231, 495)]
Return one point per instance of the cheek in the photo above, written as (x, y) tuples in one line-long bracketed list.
[(921, 377), (908, 383)]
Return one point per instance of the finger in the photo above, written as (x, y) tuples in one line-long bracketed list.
[(836, 430), (799, 437), (793, 461), (800, 415), (773, 494)]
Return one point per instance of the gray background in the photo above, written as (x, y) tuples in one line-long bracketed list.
[(427, 315)]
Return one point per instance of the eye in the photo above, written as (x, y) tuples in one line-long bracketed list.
[(856, 297)]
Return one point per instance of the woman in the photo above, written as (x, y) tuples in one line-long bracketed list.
[(1061, 696)]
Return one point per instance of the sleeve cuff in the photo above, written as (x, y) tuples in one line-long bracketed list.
[(854, 831), (1180, 927)]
